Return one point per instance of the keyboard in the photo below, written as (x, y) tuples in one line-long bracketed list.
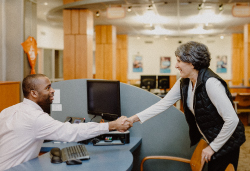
[(75, 152)]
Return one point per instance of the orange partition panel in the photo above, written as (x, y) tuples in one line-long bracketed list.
[(10, 94)]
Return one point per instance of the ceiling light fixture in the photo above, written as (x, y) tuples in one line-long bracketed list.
[(97, 14), (199, 7), (221, 7), (150, 7), (45, 3), (129, 8)]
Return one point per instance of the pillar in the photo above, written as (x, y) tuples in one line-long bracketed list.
[(105, 55), (78, 44), (122, 58)]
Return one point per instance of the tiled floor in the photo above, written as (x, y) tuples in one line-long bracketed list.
[(244, 160)]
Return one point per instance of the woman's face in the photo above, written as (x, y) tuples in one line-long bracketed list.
[(186, 69)]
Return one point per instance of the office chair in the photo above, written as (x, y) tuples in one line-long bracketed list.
[(242, 103), (195, 161), (230, 167)]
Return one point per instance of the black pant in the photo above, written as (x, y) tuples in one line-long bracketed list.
[(221, 163)]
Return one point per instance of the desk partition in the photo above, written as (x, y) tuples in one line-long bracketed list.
[(165, 134)]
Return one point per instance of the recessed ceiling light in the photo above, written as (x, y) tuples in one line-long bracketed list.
[(129, 8), (45, 3), (221, 7), (97, 14)]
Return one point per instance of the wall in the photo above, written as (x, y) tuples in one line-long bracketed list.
[(52, 37), (49, 36), (159, 47)]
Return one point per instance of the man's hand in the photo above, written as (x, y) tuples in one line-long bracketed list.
[(122, 124), (207, 154), (131, 119)]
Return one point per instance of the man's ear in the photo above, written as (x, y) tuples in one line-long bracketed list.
[(34, 93)]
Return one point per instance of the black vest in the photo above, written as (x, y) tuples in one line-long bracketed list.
[(206, 115)]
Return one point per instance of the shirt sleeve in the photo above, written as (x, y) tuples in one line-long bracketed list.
[(217, 94), (171, 97), (48, 128)]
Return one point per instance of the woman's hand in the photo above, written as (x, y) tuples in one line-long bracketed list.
[(207, 154), (131, 119)]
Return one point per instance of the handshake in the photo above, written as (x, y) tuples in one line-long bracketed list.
[(122, 124)]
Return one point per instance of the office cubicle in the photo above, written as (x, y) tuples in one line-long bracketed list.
[(165, 134)]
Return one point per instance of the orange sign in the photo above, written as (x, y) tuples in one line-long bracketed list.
[(30, 48)]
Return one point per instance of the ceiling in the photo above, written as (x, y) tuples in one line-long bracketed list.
[(171, 18)]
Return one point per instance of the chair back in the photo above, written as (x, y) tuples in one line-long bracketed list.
[(195, 163), (230, 167), (243, 99)]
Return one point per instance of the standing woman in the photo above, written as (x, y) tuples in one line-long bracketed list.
[(208, 107)]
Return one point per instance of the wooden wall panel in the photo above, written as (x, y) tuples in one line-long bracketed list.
[(81, 57), (99, 61), (108, 61), (10, 94), (89, 56), (105, 52), (98, 33), (78, 44), (122, 58), (68, 1), (69, 57), (67, 21), (237, 59), (75, 24)]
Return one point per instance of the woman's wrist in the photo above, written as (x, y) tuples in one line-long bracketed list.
[(134, 118)]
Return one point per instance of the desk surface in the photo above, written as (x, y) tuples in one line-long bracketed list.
[(102, 158)]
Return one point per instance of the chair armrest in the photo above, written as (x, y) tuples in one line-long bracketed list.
[(164, 158)]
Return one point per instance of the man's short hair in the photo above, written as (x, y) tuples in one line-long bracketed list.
[(29, 83)]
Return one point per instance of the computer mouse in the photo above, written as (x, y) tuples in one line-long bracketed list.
[(56, 160), (73, 162), (55, 155)]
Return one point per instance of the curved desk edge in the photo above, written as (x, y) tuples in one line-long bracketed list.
[(104, 152)]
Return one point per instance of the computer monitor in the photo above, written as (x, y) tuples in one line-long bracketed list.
[(104, 98), (148, 82), (163, 82)]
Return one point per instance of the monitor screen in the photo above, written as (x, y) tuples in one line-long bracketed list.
[(104, 98), (148, 82), (163, 82)]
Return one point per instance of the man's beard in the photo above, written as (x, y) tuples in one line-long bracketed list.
[(45, 105)]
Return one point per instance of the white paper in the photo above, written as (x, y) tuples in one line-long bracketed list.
[(56, 107), (56, 96)]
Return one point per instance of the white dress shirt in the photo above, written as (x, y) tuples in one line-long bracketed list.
[(24, 126), (217, 94)]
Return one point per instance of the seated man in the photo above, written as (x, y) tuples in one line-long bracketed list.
[(24, 126)]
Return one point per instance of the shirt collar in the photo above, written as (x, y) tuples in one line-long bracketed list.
[(31, 103)]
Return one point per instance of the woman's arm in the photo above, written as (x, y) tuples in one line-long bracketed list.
[(172, 96), (217, 94)]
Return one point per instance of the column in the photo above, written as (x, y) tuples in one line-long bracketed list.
[(246, 54), (105, 55), (78, 44), (122, 58), (237, 59)]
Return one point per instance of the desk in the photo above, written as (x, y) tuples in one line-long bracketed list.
[(104, 158)]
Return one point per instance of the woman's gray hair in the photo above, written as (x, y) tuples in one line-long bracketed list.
[(195, 53)]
